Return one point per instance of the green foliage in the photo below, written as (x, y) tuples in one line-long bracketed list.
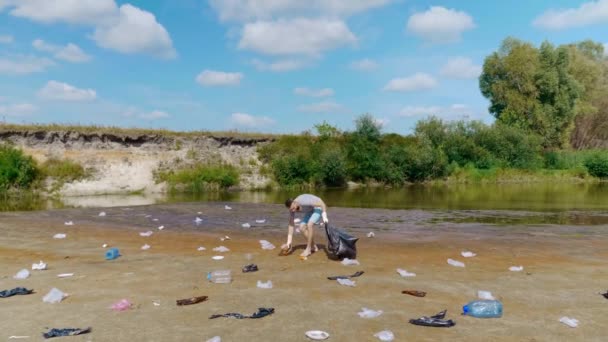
[(597, 164), (17, 171), (63, 170), (332, 169), (293, 170), (363, 150), (198, 178), (533, 89)]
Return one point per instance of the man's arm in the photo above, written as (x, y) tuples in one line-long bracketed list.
[(324, 214), (289, 231)]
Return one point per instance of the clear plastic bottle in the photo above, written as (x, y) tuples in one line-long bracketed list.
[(483, 309), (220, 277)]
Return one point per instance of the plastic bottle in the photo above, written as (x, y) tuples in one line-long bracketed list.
[(112, 254), (483, 309), (220, 277)]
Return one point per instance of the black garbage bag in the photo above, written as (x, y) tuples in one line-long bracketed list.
[(340, 244)]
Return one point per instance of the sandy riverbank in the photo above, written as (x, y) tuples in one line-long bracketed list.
[(562, 277)]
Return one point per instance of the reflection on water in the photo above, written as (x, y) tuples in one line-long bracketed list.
[(530, 197)]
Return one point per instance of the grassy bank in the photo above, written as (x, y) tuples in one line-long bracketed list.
[(199, 178)]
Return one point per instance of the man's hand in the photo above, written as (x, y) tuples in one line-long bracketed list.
[(286, 246), (324, 215)]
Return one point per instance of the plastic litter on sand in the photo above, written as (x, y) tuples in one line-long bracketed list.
[(217, 257), (121, 305), (468, 254), (227, 207), (385, 335), (266, 245), (69, 223), (317, 335), (371, 235), (161, 227), (54, 296), (200, 249), (23, 274), (246, 225), (516, 268), (455, 263), (41, 266), (102, 214), (260, 221), (215, 339), (368, 313), (350, 262), (266, 285), (65, 275), (405, 273), (225, 238), (198, 220), (105, 245), (571, 322), (145, 247), (221, 249), (59, 236), (146, 234), (486, 295), (346, 282)]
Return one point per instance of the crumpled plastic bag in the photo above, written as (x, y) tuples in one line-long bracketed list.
[(346, 282), (571, 322), (368, 313), (121, 305), (385, 335), (405, 273), (221, 249), (266, 245), (266, 285), (23, 274)]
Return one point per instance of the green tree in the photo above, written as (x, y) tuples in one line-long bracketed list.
[(363, 150)]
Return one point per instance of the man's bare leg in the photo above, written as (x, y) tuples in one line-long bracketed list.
[(310, 245)]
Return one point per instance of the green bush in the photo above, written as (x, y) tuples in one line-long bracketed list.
[(63, 170), (293, 170), (16, 169), (597, 164), (332, 169), (199, 178)]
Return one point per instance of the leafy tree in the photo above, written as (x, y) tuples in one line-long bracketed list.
[(363, 150)]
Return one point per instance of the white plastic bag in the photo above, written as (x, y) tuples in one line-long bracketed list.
[(371, 235), (23, 274), (455, 263), (571, 322), (266, 245), (39, 266), (54, 296), (350, 262), (146, 234), (145, 247), (368, 313), (266, 285), (246, 225), (347, 282), (215, 339), (516, 268), (385, 335), (59, 236), (221, 249), (485, 295), (405, 273), (468, 254)]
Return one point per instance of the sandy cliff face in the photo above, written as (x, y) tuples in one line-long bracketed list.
[(124, 164)]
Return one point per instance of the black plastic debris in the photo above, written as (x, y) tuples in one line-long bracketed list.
[(357, 274), (250, 268), (605, 294), (437, 321), (15, 291), (66, 332), (340, 244), (262, 312)]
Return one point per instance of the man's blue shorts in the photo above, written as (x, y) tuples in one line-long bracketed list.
[(312, 216)]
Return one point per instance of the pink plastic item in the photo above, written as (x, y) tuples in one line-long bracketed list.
[(121, 305)]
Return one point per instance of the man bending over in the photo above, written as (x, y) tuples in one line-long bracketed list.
[(314, 209)]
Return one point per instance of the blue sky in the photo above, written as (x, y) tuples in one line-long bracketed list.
[(276, 66)]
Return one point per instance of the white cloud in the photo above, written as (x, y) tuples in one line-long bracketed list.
[(244, 10), (325, 92), (59, 91), (282, 65), (295, 37), (321, 107), (364, 65), (588, 13), (24, 65), (440, 25), (68, 11), (18, 109), (455, 111), (247, 120), (219, 78), (6, 39), (135, 31), (154, 115), (382, 122), (70, 52), (461, 68), (418, 81)]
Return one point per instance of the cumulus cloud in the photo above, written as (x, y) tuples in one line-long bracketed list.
[(440, 25), (321, 107), (244, 10), (299, 36), (588, 13), (154, 115), (126, 29), (324, 92), (70, 52), (455, 111), (59, 91), (135, 31), (247, 120), (418, 81), (20, 65), (6, 39), (461, 68), (19, 109), (219, 78), (282, 65), (364, 65)]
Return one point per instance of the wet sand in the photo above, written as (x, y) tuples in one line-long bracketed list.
[(564, 270)]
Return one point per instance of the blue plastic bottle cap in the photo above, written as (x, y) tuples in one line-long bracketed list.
[(465, 309)]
